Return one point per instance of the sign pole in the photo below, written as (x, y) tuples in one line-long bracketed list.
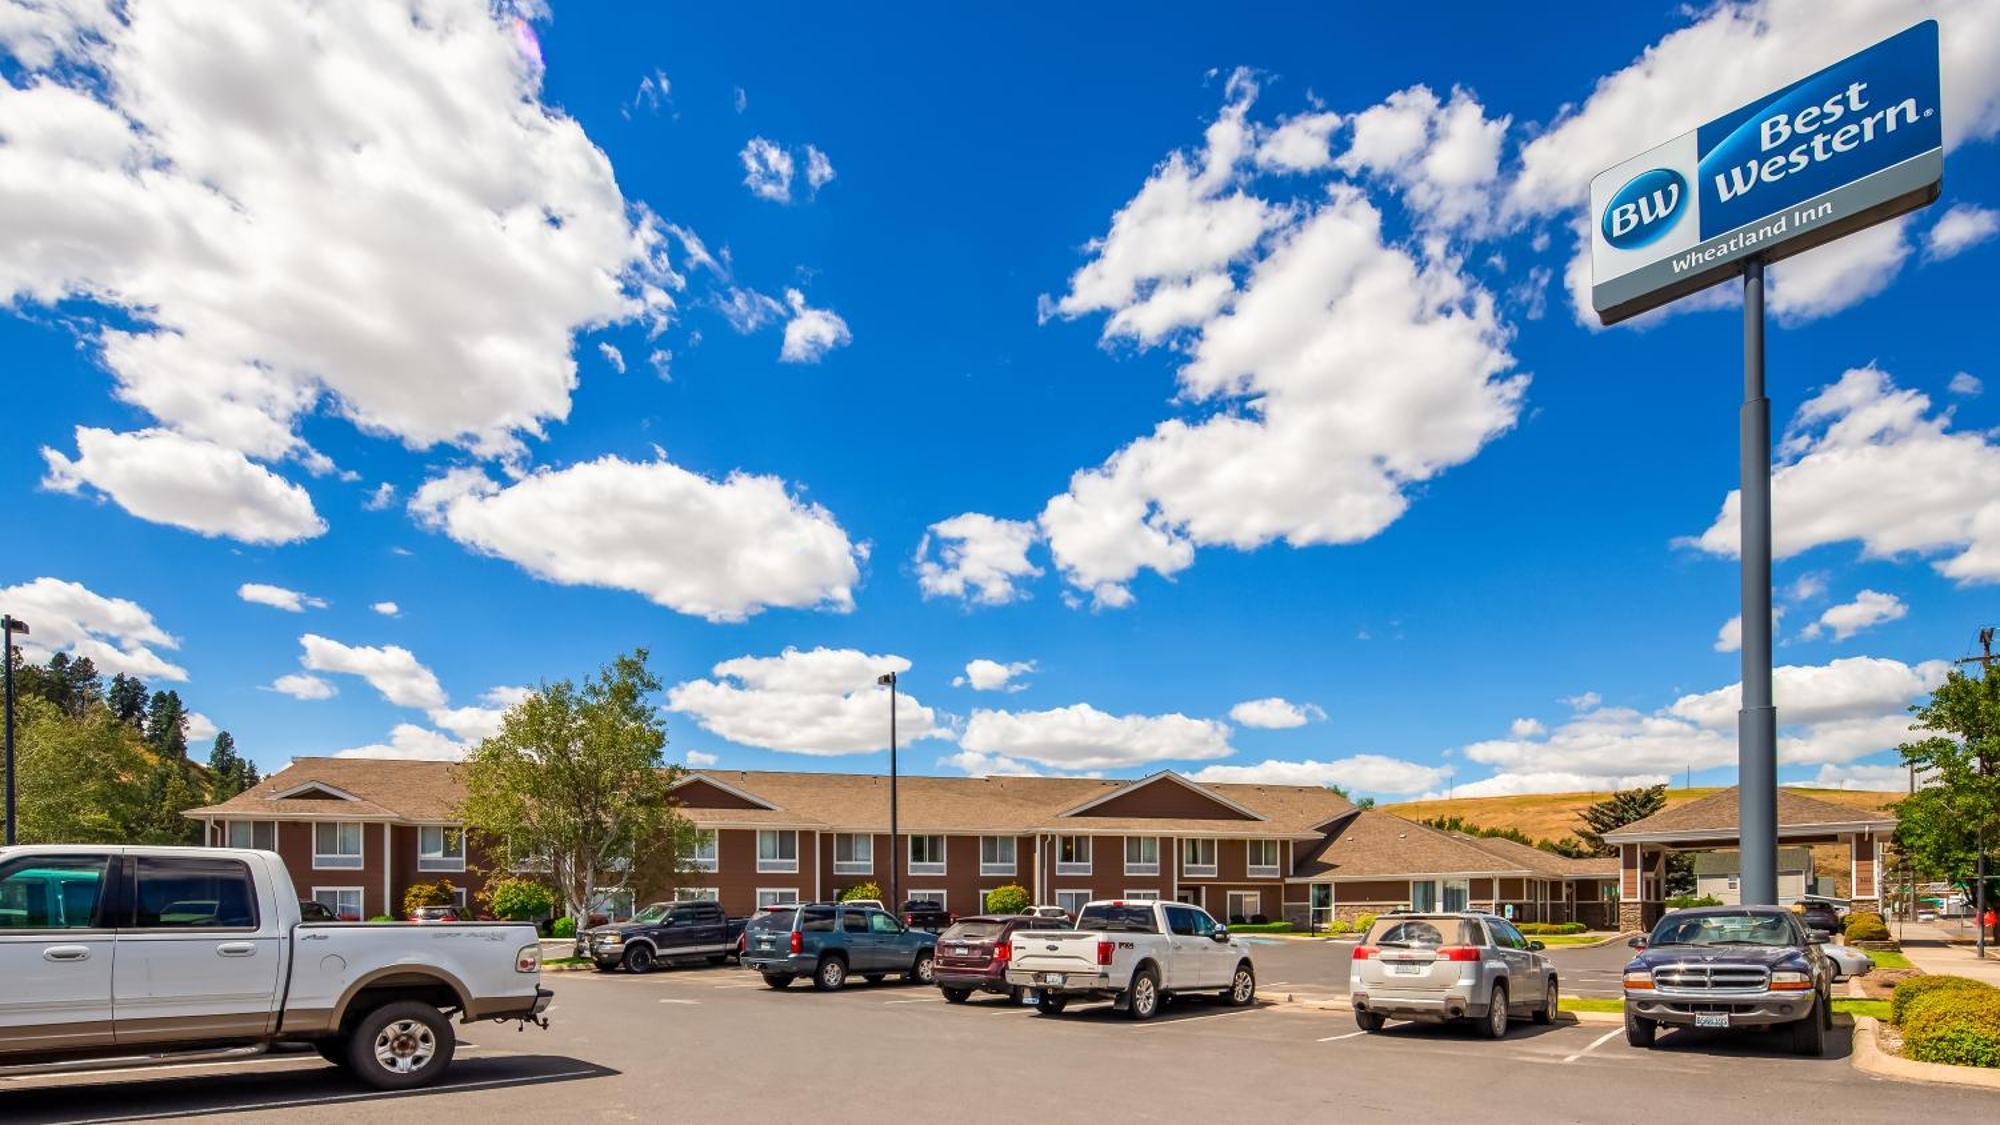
[(1757, 722)]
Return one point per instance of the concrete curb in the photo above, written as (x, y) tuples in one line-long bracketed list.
[(1870, 1058), (1612, 940)]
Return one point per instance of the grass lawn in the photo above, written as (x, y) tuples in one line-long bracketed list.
[(1890, 959), (1586, 1004), (565, 961), (1877, 1008), (1553, 940)]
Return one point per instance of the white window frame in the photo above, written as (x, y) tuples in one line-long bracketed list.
[(697, 894), (229, 833), (360, 899), (1199, 870), (458, 898), (1142, 896), (995, 867), (1445, 888), (440, 860), (1072, 901), (1261, 870), (340, 861), (1435, 896), (785, 896), (704, 855), (1229, 904), (927, 867), (936, 896), (1141, 867), (777, 865), (1074, 867), (864, 866)]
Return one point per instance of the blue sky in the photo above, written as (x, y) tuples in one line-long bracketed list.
[(293, 302)]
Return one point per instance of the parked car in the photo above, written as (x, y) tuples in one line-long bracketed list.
[(874, 902), (1056, 912), (239, 971), (435, 914), (973, 954), (830, 941), (1848, 961), (665, 931), (1134, 954), (1822, 914), (310, 911), (1446, 967), (1728, 967), (923, 914)]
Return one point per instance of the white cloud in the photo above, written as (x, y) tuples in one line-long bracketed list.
[(1300, 144), (767, 170), (811, 333), (391, 669), (991, 765), (819, 170), (383, 496), (1584, 701), (411, 742), (1358, 773), (722, 550), (506, 696), (1864, 459), (991, 675), (661, 361), (1810, 586), (1274, 713), (1526, 728), (1080, 737), (117, 635), (387, 609), (1869, 608), (698, 759), (277, 597), (742, 100), (653, 88), (612, 356), (298, 685), (1961, 228), (979, 558), (822, 702), (150, 169), (1443, 156), (1729, 638), (200, 728), (1966, 385), (1892, 778), (163, 477), (747, 310), (471, 724), (1829, 278)]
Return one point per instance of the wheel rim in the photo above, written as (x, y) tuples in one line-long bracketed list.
[(1143, 996), (1245, 986), (924, 972), (1498, 1016), (1549, 1001), (405, 1047), (640, 960), (833, 973)]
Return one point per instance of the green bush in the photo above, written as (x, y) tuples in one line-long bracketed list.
[(519, 900), (428, 894), (1551, 927), (1262, 928), (1960, 1027), (1908, 992), (381, 918), (1338, 926), (1682, 902), (564, 927), (1866, 925), (1363, 923), (1010, 899), (864, 890)]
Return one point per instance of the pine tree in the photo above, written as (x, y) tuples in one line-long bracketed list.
[(127, 699), (1615, 812), (166, 726), (83, 688), (229, 773)]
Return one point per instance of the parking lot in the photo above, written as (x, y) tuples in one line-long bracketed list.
[(715, 1041)]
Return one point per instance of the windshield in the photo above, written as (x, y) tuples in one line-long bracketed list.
[(972, 931), (652, 913), (1118, 919), (1726, 928), (772, 920), (1422, 933)]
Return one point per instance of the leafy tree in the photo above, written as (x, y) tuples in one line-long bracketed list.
[(229, 773), (127, 699), (165, 792), (1341, 792), (1616, 811), (1010, 899), (166, 726), (519, 900), (75, 777), (574, 784), (440, 893), (1940, 826), (862, 890)]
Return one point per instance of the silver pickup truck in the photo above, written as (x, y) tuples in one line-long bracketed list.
[(129, 956)]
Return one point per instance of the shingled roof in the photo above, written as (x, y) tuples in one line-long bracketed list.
[(1715, 817), (1543, 863), (1382, 845), (355, 788)]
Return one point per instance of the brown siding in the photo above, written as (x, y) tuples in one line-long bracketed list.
[(1165, 799), (700, 794), (1373, 891), (295, 844), (403, 871)]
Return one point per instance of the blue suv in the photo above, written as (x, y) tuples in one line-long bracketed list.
[(831, 942)]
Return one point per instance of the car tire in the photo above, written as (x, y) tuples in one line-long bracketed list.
[(778, 980), (922, 971), (639, 959), (1639, 1031), (1051, 1005), (956, 995), (1369, 1021), (1494, 1024), (1546, 1014), (1242, 987), (1142, 996), (401, 1046), (1809, 1034), (830, 975)]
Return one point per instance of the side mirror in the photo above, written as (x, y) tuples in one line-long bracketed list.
[(1819, 937), (1221, 933), (1637, 942), (1536, 946)]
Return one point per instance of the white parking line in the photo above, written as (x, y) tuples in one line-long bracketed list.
[(1596, 1043), (925, 1000), (328, 1098), (676, 1000), (1338, 1038)]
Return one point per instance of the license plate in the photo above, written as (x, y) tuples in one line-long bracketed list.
[(1711, 1019), (1407, 969), (1052, 978), (1029, 999), (960, 950)]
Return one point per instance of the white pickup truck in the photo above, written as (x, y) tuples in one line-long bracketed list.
[(129, 956), (1134, 954)]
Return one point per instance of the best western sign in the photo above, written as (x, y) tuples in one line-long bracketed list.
[(1855, 144)]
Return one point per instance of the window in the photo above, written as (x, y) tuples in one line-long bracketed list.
[(1244, 906), (51, 892), (927, 855), (1198, 857), (701, 857), (854, 921), (1457, 894), (777, 851), (440, 848), (1072, 856), (816, 920), (1072, 901), (1504, 934), (178, 893), (458, 897), (696, 894), (259, 834), (1142, 896), (853, 853), (345, 902), (336, 845), (1732, 882), (1142, 855), (883, 923), (1263, 859), (1423, 895), (936, 898), (770, 896), (996, 855)]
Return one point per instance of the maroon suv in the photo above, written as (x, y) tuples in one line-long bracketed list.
[(972, 954)]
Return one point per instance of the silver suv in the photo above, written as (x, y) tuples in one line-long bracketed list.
[(1443, 967)]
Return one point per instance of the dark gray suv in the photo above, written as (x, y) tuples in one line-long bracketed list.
[(1730, 966)]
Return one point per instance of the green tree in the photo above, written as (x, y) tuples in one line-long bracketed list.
[(1010, 899), (440, 893), (574, 784), (1940, 826), (1616, 811), (862, 890), (166, 726), (229, 773), (515, 899), (76, 778), (127, 700), (165, 792)]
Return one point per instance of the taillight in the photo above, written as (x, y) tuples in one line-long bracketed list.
[(1104, 949), (1003, 952), (742, 943), (798, 942), (1364, 952), (528, 959), (1458, 953)]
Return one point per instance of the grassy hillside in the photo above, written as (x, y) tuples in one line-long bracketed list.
[(1551, 816)]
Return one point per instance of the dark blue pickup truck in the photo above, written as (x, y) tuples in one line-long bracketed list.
[(665, 931)]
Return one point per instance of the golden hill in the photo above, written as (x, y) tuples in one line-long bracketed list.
[(1551, 816)]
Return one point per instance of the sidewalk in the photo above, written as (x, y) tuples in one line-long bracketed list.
[(1927, 949)]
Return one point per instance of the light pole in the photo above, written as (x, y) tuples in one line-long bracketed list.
[(895, 895), (8, 627)]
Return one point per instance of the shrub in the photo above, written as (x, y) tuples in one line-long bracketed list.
[(1551, 927), (427, 894), (1960, 1027), (563, 927), (1265, 927), (1866, 926), (1682, 902), (1010, 899), (1910, 991), (1363, 923), (864, 890), (519, 900), (1338, 926), (381, 918)]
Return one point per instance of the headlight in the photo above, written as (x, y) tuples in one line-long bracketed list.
[(1788, 981), (528, 959), (611, 939), (1639, 979)]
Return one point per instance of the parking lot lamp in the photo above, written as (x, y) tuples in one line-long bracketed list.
[(10, 626), (886, 679)]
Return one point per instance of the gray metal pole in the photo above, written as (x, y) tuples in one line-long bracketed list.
[(895, 902), (1757, 722), (7, 629)]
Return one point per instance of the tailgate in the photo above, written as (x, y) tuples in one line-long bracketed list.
[(1056, 951), (1413, 970)]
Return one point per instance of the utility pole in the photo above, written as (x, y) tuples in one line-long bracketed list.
[(1757, 721), (8, 627), (1985, 662), (895, 902)]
